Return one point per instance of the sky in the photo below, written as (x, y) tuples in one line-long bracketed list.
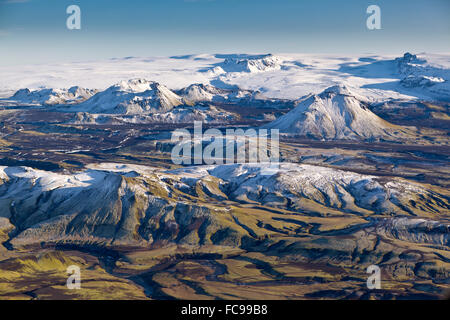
[(34, 31)]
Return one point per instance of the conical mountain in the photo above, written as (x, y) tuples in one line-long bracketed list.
[(336, 113)]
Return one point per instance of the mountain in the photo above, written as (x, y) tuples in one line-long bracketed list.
[(207, 93), (130, 205), (418, 73), (336, 113), (220, 232), (408, 63), (287, 76), (414, 81), (72, 95), (142, 101), (181, 114), (132, 97), (250, 63)]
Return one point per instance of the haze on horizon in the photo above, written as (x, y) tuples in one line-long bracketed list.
[(34, 31)]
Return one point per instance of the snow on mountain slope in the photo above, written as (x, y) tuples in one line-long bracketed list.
[(181, 114), (330, 187), (418, 73), (132, 97), (116, 204), (415, 230), (250, 63), (336, 113), (423, 76), (208, 93), (72, 95), (414, 81)]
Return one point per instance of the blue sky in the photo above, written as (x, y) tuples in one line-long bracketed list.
[(34, 31)]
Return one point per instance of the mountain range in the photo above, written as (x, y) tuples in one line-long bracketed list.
[(129, 205)]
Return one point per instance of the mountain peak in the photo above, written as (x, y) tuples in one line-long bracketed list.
[(133, 96), (134, 85), (334, 114), (340, 89)]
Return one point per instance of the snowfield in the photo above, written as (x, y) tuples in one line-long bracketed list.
[(286, 76), (72, 95)]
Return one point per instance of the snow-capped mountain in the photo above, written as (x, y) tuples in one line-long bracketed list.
[(336, 113), (132, 97), (283, 76), (143, 101), (418, 73), (251, 64), (52, 96), (414, 81), (410, 66), (181, 114), (207, 93), (327, 186), (415, 230)]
